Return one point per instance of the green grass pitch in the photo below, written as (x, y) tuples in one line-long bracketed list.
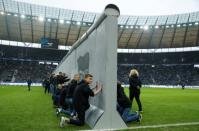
[(21, 110)]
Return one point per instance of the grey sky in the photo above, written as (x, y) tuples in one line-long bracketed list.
[(127, 7)]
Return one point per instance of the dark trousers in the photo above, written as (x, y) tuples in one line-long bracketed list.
[(47, 88), (28, 87), (136, 94), (80, 118)]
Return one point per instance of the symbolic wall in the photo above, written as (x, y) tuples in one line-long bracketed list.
[(96, 53)]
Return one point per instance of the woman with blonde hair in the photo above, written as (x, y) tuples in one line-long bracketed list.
[(134, 89)]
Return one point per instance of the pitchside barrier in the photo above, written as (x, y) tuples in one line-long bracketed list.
[(125, 85), (96, 53)]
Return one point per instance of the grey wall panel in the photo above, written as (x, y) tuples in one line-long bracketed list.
[(96, 53)]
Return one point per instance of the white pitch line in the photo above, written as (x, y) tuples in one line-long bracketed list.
[(151, 126), (165, 125)]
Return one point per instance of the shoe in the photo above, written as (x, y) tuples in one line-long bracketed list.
[(139, 118), (63, 121), (58, 111)]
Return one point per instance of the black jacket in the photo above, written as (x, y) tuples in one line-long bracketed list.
[(81, 96), (135, 83), (71, 88), (122, 100), (63, 93)]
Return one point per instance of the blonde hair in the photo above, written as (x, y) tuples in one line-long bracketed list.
[(133, 72)]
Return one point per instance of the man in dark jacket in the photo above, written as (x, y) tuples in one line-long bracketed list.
[(134, 89), (81, 101), (67, 95), (124, 106), (29, 81)]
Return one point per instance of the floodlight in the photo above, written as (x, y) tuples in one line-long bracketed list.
[(121, 26), (67, 22), (178, 25), (78, 23), (156, 26), (49, 20), (61, 21), (41, 18), (15, 15), (126, 26), (131, 27), (8, 14), (2, 13), (146, 27), (23, 16), (196, 23)]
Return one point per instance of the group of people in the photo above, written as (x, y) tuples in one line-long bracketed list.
[(71, 97)]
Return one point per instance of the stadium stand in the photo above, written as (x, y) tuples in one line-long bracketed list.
[(20, 71), (162, 74)]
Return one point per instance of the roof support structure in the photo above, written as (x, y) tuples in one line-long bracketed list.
[(57, 28), (152, 32), (174, 32), (185, 34), (197, 37), (45, 24), (19, 21), (6, 21), (160, 43), (67, 36), (138, 42), (32, 32), (80, 27), (120, 35), (127, 44)]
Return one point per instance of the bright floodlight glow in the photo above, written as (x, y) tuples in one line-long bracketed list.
[(23, 16), (172, 26), (146, 27), (15, 15), (156, 26), (121, 26), (131, 27), (196, 23), (190, 24), (61, 21), (167, 26), (2, 13), (178, 25), (41, 18), (126, 26), (8, 14), (84, 23), (67, 22), (78, 23), (49, 20)]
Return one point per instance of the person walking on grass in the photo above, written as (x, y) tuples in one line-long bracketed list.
[(29, 82), (134, 89)]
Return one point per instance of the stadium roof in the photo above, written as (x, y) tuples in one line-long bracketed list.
[(29, 23)]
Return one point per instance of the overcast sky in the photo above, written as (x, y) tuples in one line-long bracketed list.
[(127, 7)]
